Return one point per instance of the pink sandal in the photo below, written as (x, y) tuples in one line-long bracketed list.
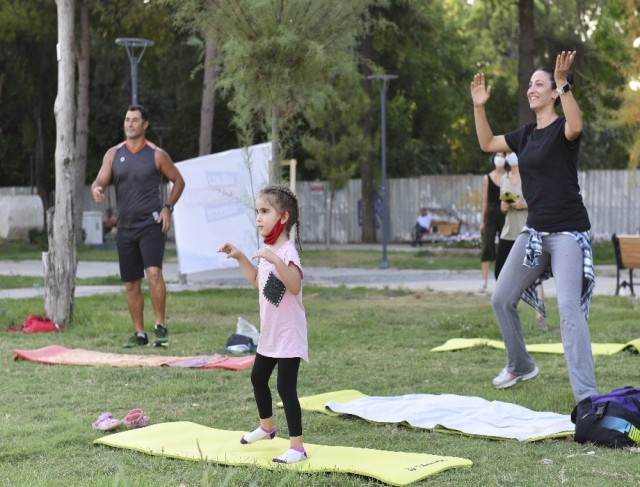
[(135, 419), (106, 422)]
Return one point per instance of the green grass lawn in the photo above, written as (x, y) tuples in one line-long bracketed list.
[(430, 256), (376, 341)]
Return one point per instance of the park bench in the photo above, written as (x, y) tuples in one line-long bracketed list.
[(443, 224), (627, 249)]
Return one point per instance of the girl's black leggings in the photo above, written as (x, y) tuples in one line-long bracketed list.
[(287, 389)]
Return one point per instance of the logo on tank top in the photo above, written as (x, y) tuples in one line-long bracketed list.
[(122, 159)]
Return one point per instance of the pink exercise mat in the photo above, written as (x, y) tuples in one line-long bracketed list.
[(59, 355)]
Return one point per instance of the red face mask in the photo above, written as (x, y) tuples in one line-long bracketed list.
[(275, 232)]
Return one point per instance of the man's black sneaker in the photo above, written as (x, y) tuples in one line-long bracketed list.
[(162, 336), (137, 341)]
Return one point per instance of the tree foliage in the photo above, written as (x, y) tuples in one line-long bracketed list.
[(627, 117), (284, 57), (27, 91), (334, 141), (277, 56), (583, 25), (421, 43)]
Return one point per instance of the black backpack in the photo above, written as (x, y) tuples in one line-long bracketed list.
[(237, 343), (611, 419)]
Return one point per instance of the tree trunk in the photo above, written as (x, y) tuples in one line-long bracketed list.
[(207, 108), (274, 167), (82, 121), (525, 59), (366, 165), (60, 262)]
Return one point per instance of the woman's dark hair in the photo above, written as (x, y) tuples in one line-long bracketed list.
[(551, 73), (284, 199)]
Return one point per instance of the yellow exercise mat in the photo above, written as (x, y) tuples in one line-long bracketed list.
[(596, 348), (318, 403), (191, 441)]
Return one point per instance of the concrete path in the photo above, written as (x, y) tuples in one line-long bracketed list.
[(438, 280)]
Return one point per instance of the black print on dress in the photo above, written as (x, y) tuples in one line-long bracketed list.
[(274, 289)]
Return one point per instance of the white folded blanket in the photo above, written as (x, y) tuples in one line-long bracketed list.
[(460, 414)]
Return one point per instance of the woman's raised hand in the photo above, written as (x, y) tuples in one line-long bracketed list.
[(564, 60), (479, 92)]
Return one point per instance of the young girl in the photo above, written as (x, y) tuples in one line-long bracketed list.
[(283, 325)]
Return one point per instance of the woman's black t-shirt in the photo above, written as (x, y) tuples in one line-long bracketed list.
[(549, 171)]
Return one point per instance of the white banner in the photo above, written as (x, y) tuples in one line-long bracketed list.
[(218, 206)]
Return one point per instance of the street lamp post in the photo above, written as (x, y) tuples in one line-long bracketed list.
[(131, 44), (383, 156)]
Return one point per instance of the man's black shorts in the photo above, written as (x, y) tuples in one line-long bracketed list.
[(138, 249)]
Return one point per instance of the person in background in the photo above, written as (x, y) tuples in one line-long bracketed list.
[(283, 323), (492, 219), (514, 207), (557, 237), (423, 225), (135, 167)]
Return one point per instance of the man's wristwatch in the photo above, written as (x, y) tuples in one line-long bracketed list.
[(564, 89), (169, 207)]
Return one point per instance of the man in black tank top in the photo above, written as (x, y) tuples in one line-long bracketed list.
[(135, 167)]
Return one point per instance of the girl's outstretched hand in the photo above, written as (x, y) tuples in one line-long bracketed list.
[(564, 60), (479, 92), (230, 250)]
